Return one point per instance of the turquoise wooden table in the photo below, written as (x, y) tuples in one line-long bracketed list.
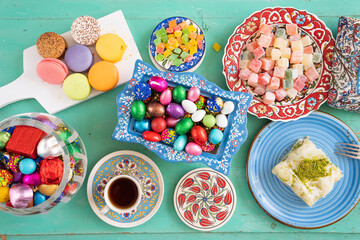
[(22, 21)]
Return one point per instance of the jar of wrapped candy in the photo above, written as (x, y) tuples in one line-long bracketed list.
[(42, 163)]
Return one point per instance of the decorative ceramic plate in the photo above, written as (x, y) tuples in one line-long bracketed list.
[(313, 95), (235, 134), (204, 199), (273, 142), (166, 64), (136, 165)]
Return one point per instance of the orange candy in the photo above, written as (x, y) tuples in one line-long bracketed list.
[(172, 23), (103, 76)]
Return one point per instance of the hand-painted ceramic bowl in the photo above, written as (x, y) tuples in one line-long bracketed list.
[(234, 134), (75, 161), (166, 64), (313, 95)]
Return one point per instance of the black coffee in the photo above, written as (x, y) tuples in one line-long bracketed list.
[(123, 193)]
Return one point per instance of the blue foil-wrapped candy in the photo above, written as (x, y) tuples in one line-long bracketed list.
[(142, 90), (168, 136), (214, 104)]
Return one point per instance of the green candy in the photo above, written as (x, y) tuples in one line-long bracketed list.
[(64, 133), (4, 138), (138, 110), (73, 148), (209, 120), (179, 94), (184, 126)]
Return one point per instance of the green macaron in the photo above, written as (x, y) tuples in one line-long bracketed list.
[(76, 86)]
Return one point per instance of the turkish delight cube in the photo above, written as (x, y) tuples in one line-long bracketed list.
[(306, 41), (297, 46), (291, 73), (265, 29), (259, 52), (272, 39), (268, 51), (291, 92), (294, 38), (279, 72), (299, 68), (251, 46), (317, 57), (247, 55), (291, 29), (306, 67), (253, 79), (255, 65), (287, 83), (260, 89), (274, 83), (280, 94), (244, 73), (270, 72), (269, 98), (264, 79), (308, 49), (264, 41), (267, 63), (312, 74), (285, 53), (307, 59), (298, 84), (244, 64), (275, 54), (283, 62), (296, 57), (280, 43), (280, 33), (302, 78)]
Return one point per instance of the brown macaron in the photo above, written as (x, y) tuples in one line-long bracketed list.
[(51, 45)]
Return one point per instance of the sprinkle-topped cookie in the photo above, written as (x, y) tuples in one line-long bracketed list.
[(85, 30)]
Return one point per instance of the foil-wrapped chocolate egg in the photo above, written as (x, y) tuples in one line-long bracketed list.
[(168, 136), (208, 147), (4, 194), (20, 195), (175, 110), (39, 198), (32, 179), (46, 120), (6, 177), (214, 104), (155, 109), (14, 161), (48, 190), (142, 91), (158, 83), (49, 147), (200, 102), (4, 138), (17, 177)]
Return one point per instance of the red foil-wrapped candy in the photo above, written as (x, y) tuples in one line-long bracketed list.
[(51, 171)]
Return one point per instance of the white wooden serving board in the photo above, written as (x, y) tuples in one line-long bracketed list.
[(52, 97)]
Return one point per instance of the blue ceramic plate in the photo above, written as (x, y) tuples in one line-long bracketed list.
[(278, 200), (165, 65), (234, 135)]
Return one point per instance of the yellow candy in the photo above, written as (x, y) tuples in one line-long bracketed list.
[(297, 46), (275, 54), (283, 62), (216, 47), (193, 50), (48, 190), (191, 28), (307, 59), (178, 33), (280, 43), (299, 68), (170, 47), (193, 42), (167, 53), (171, 36), (285, 53), (306, 41), (188, 45), (4, 194)]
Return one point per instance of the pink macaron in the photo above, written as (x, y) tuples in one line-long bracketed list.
[(52, 70)]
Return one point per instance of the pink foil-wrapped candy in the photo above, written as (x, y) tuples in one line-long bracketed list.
[(158, 83), (20, 195), (32, 179)]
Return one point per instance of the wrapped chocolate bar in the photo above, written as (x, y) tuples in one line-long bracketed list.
[(344, 90)]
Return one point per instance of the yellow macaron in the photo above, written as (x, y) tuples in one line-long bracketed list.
[(76, 86), (110, 47), (103, 76)]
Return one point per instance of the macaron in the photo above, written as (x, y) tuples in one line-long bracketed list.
[(110, 47), (78, 58), (85, 30), (103, 76), (76, 86), (51, 45), (52, 70)]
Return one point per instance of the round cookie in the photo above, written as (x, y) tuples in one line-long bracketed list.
[(52, 70), (110, 47), (51, 45), (85, 30), (78, 58), (76, 86), (103, 76)]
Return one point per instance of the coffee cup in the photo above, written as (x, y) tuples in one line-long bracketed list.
[(122, 194)]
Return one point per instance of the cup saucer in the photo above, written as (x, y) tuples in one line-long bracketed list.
[(133, 164)]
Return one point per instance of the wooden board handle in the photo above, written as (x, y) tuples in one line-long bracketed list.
[(15, 91)]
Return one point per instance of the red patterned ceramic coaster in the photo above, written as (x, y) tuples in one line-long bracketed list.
[(313, 95), (204, 199)]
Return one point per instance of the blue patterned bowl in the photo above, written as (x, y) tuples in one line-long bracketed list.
[(184, 67), (270, 146), (234, 135)]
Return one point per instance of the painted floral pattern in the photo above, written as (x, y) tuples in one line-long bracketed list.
[(205, 199), (235, 131), (323, 42), (345, 88)]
